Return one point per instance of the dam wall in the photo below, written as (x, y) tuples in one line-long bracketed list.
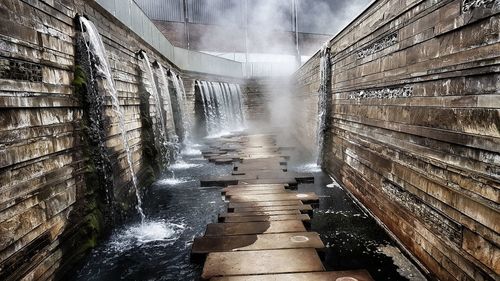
[(414, 127), (52, 207)]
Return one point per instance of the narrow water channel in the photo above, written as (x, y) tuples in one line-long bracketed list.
[(178, 209)]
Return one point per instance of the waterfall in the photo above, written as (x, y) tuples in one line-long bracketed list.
[(160, 127), (182, 100), (324, 101), (96, 46), (172, 135), (222, 107)]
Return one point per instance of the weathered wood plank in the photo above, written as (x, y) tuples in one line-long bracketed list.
[(262, 262)]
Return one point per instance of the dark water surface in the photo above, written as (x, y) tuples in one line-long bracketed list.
[(159, 250)]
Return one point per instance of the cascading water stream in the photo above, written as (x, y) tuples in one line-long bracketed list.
[(173, 138), (324, 100), (222, 107), (161, 129), (182, 99), (96, 46)]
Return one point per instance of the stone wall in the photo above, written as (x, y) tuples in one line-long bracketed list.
[(51, 209), (305, 101), (415, 127)]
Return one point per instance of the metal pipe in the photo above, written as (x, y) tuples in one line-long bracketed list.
[(186, 22)]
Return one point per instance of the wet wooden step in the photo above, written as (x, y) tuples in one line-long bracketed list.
[(302, 217), (290, 181), (260, 213), (264, 161), (275, 174), (277, 171), (304, 197), (254, 187), (242, 191), (256, 242), (259, 167), (261, 262), (224, 180), (351, 275), (233, 205), (222, 229), (301, 208)]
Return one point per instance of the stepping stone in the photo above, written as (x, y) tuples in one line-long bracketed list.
[(222, 229), (243, 191), (261, 262), (223, 161), (301, 208), (260, 213), (233, 205), (224, 180), (269, 174), (304, 197), (263, 161), (351, 275), (290, 181), (302, 217), (272, 165), (256, 242), (278, 171), (254, 187)]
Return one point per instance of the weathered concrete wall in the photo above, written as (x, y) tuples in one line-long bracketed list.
[(415, 127), (50, 210), (305, 101)]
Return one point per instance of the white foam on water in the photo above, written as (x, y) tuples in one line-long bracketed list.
[(190, 151), (218, 135), (173, 181), (149, 231), (181, 165), (308, 168)]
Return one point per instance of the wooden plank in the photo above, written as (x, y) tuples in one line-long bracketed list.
[(301, 208), (261, 262), (242, 191), (289, 181), (255, 187), (265, 204), (351, 275), (304, 197), (222, 229), (261, 213), (256, 242), (302, 217)]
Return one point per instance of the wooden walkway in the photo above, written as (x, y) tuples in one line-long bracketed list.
[(263, 235)]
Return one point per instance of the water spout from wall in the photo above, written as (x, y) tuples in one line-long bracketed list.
[(96, 47), (324, 101), (182, 100), (173, 138), (161, 129)]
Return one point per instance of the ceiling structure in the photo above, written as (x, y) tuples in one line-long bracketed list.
[(293, 27)]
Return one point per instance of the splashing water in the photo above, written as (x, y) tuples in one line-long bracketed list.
[(308, 168), (190, 151), (173, 181), (146, 232), (96, 46), (182, 165)]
